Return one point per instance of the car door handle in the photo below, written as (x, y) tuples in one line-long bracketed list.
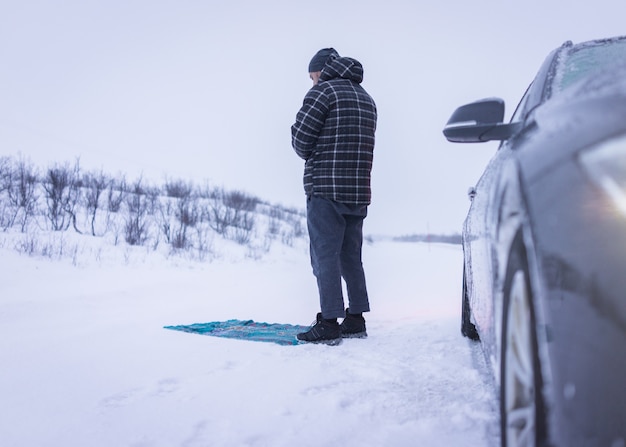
[(471, 192)]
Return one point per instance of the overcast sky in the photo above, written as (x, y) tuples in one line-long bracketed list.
[(207, 90)]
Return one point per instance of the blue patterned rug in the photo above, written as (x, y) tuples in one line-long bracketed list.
[(282, 334)]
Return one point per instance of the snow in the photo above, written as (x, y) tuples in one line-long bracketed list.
[(86, 361)]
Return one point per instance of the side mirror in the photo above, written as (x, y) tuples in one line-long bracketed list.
[(478, 122)]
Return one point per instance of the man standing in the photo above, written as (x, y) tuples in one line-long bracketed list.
[(334, 135)]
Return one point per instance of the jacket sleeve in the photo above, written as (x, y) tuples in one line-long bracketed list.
[(309, 123)]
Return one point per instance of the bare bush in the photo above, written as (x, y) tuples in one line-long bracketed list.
[(28, 245), (153, 199), (61, 187), (5, 173), (116, 194), (241, 231), (136, 226), (166, 211), (5, 182), (187, 215), (204, 242), (207, 192), (185, 210), (95, 185), (298, 228), (178, 189), (233, 215), (22, 194), (239, 200), (273, 227)]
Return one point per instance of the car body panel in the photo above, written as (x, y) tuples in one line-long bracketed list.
[(537, 186), (579, 238)]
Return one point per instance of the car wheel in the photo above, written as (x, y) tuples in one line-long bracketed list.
[(520, 397), (467, 327)]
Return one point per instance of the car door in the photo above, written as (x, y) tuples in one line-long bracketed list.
[(481, 224), (479, 236)]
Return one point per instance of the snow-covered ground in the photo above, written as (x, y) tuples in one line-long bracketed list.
[(86, 361)]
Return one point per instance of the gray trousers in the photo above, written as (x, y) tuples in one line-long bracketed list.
[(336, 236)]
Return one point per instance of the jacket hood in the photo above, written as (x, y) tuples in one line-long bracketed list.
[(344, 68)]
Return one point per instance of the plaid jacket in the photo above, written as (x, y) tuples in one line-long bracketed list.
[(334, 134)]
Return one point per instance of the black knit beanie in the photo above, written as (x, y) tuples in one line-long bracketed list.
[(320, 59)]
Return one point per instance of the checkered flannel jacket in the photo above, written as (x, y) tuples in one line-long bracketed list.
[(334, 134)]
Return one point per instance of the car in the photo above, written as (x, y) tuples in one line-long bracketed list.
[(544, 249)]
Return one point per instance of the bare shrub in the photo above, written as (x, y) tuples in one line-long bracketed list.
[(204, 243), (5, 173), (178, 189), (273, 227), (153, 199), (28, 245), (220, 217), (116, 194), (136, 225), (187, 214), (239, 200), (232, 223), (22, 197), (5, 182), (242, 229), (207, 192), (61, 187), (166, 212), (233, 215), (298, 228), (95, 185), (180, 212)]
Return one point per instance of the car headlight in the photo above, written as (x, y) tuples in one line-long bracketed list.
[(606, 165)]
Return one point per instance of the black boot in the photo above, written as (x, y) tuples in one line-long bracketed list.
[(322, 331), (353, 326)]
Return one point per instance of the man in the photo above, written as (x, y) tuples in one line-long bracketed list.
[(334, 134)]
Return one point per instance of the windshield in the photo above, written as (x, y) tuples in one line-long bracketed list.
[(588, 59)]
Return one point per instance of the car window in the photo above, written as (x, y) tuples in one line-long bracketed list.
[(586, 60)]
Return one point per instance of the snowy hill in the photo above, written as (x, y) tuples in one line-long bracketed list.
[(61, 211)]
